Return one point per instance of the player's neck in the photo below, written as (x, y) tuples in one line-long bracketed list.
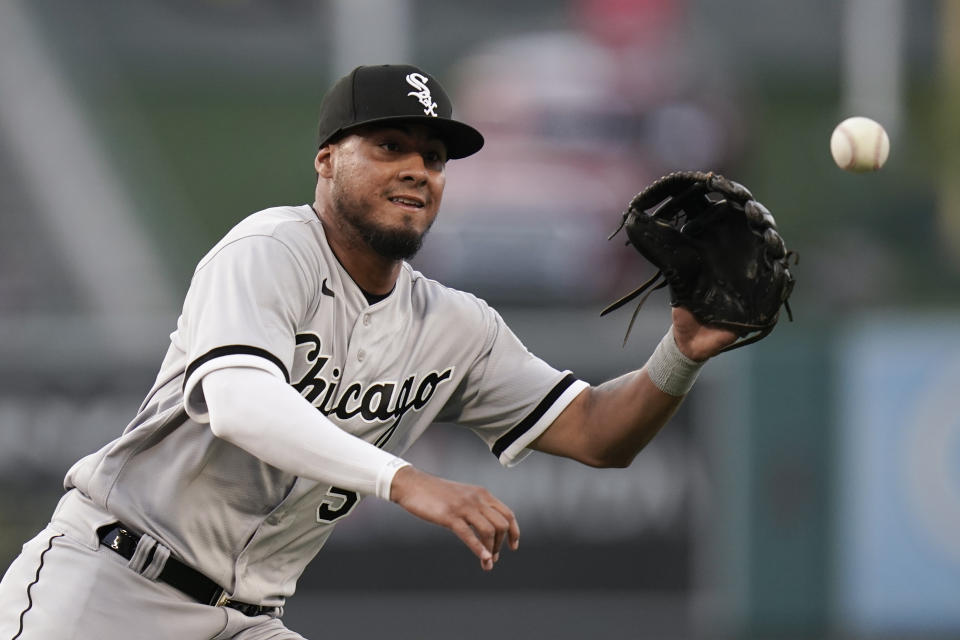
[(372, 272)]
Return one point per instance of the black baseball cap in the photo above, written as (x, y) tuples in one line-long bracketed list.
[(394, 93)]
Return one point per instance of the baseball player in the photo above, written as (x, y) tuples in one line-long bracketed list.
[(308, 357)]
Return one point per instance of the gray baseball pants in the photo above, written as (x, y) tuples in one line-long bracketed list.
[(62, 588)]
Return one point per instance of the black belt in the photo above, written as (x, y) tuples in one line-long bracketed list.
[(176, 574)]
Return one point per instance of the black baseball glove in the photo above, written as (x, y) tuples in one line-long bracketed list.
[(716, 248)]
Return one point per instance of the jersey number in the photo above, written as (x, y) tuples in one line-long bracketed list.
[(336, 504)]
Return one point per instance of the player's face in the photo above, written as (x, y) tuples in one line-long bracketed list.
[(387, 185)]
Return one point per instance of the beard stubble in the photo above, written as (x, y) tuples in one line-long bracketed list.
[(388, 242)]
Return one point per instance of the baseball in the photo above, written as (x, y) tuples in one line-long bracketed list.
[(859, 144)]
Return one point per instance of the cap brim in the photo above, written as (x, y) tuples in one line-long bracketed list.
[(460, 139)]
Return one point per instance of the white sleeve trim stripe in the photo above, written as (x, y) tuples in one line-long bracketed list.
[(511, 447)]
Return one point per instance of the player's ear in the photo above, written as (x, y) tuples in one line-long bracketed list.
[(323, 163)]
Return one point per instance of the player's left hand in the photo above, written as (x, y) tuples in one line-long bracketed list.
[(698, 341), (719, 252)]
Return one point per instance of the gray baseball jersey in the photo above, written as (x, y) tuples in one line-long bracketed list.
[(271, 294)]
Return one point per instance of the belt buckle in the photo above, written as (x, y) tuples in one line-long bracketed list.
[(222, 600), (119, 535)]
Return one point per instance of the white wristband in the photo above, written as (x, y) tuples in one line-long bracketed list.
[(670, 370), (385, 477)]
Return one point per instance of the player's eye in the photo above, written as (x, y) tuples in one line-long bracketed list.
[(436, 159), (390, 146)]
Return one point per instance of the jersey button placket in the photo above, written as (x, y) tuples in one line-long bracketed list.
[(360, 337), (367, 320)]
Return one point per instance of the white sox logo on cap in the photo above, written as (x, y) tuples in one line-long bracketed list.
[(419, 81), (375, 94)]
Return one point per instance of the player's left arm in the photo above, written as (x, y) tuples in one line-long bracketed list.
[(607, 425)]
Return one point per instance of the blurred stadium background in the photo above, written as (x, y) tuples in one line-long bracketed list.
[(810, 486)]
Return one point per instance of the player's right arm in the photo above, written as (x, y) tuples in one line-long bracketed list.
[(262, 414)]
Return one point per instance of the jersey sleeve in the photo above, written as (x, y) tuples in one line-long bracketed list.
[(510, 396), (242, 310)]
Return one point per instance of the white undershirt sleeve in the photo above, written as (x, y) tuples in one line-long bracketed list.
[(266, 417)]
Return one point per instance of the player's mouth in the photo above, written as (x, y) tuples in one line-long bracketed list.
[(408, 202)]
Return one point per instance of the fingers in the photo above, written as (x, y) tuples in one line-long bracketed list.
[(483, 527), (492, 527), (468, 536), (513, 529), (514, 534), (486, 529)]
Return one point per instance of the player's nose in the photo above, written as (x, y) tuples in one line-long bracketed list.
[(414, 169)]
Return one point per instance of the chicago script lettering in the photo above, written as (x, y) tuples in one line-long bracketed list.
[(382, 401)]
